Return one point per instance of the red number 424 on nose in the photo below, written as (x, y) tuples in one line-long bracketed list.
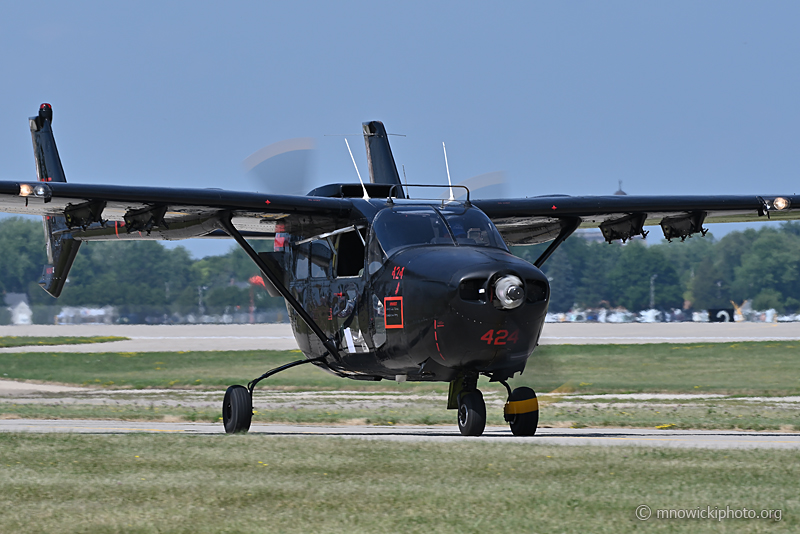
[(500, 337)]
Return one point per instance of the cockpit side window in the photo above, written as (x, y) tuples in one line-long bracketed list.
[(321, 256), (301, 254), (375, 254), (349, 253)]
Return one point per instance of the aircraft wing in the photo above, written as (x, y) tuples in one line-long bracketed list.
[(107, 212), (537, 220), (73, 213)]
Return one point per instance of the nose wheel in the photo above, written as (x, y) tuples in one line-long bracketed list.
[(471, 413), (522, 412)]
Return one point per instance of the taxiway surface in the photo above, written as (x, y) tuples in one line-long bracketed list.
[(549, 436), (160, 338)]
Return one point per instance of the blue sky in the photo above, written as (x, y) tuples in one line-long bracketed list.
[(565, 97)]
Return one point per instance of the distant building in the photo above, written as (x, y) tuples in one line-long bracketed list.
[(590, 234), (84, 315), (20, 310)]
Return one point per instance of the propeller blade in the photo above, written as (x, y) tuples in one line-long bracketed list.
[(284, 167), (487, 185)]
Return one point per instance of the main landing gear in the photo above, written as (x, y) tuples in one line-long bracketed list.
[(237, 409), (521, 411), (471, 413), (237, 406)]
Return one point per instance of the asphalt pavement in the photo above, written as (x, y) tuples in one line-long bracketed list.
[(550, 436), (158, 338)]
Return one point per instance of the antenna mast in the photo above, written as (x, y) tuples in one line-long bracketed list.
[(446, 166), (366, 196)]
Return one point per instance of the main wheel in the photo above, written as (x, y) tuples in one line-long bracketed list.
[(471, 414), (237, 409), (522, 412)]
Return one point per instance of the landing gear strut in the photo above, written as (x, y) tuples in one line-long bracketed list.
[(237, 407), (465, 397)]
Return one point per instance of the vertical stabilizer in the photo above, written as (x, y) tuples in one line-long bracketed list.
[(61, 248), (382, 168)]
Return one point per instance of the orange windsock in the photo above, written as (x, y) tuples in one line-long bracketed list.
[(257, 281)]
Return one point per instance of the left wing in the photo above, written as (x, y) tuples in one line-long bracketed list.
[(535, 220)]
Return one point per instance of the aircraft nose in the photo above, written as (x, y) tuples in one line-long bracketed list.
[(509, 292)]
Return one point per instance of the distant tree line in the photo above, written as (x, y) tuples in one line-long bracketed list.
[(129, 274), (761, 265)]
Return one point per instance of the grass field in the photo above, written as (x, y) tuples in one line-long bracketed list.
[(760, 368), (765, 368), (173, 483), (23, 341)]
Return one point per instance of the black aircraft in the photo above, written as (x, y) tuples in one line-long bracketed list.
[(378, 285)]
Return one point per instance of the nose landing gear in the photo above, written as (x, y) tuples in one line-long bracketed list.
[(521, 411)]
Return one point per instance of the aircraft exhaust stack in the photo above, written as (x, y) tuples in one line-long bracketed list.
[(61, 248)]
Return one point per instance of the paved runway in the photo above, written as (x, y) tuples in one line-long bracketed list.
[(146, 338), (158, 338), (548, 436), (155, 338)]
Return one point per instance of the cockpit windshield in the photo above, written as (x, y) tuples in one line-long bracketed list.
[(471, 226), (401, 227)]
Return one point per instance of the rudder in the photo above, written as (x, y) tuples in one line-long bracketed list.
[(382, 168), (61, 248)]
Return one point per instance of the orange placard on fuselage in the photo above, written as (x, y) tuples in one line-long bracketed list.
[(393, 312)]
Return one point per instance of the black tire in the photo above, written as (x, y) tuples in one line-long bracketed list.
[(471, 414), (237, 410), (523, 424)]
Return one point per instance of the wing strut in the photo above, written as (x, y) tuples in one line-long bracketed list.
[(568, 226), (225, 222)]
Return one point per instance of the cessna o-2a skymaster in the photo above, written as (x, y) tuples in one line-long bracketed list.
[(377, 285)]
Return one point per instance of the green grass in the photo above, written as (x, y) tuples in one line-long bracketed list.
[(162, 369), (174, 483), (763, 368), (713, 414), (109, 411), (22, 341)]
